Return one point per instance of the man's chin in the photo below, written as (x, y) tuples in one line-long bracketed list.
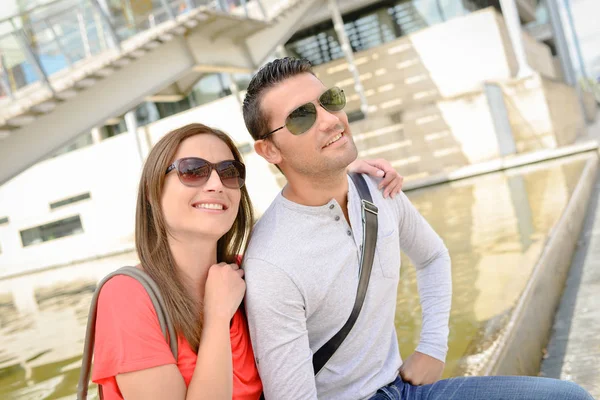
[(352, 156)]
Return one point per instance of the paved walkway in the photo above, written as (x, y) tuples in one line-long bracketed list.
[(574, 348)]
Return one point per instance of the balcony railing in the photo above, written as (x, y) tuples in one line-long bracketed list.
[(53, 38)]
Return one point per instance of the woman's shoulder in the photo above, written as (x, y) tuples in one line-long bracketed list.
[(123, 289)]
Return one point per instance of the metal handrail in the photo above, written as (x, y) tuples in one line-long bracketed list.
[(31, 9), (65, 32)]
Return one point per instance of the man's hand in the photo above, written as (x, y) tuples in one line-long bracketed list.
[(421, 369), (380, 168)]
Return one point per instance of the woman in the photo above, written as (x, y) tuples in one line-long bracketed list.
[(191, 225)]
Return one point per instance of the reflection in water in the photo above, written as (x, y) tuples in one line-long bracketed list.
[(494, 226)]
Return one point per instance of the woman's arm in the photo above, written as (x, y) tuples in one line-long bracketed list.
[(212, 378), (213, 374)]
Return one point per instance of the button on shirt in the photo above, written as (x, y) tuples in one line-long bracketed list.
[(302, 270)]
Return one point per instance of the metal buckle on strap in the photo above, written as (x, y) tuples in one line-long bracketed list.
[(369, 207)]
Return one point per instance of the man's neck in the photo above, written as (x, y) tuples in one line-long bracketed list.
[(312, 191)]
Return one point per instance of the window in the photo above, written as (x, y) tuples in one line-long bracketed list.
[(82, 141), (70, 200), (3, 220), (376, 24), (54, 230), (209, 88)]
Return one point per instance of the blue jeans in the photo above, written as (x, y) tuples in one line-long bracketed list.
[(485, 388)]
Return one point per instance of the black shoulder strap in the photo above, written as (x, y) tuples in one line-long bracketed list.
[(369, 224)]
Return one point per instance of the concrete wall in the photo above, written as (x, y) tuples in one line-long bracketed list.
[(430, 83), (442, 61), (519, 350)]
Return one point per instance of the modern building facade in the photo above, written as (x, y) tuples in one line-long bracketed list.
[(432, 85)]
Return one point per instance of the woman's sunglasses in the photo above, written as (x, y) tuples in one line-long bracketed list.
[(194, 171), (303, 118)]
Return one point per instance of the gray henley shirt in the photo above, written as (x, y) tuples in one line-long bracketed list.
[(302, 269)]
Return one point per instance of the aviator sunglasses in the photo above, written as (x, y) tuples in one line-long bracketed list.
[(303, 118), (194, 171)]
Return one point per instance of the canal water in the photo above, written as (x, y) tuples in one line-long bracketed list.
[(495, 227)]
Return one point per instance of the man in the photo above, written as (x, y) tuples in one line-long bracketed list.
[(302, 264)]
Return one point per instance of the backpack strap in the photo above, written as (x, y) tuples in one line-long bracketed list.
[(166, 325)]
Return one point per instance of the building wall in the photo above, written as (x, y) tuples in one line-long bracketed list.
[(423, 67), (110, 172), (428, 115)]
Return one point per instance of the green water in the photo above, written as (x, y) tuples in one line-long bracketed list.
[(494, 225)]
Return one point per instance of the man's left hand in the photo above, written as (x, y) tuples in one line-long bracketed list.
[(391, 184), (421, 369)]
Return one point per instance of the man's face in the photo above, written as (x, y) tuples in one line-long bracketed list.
[(320, 151)]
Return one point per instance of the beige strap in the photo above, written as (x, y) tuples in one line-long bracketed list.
[(166, 326)]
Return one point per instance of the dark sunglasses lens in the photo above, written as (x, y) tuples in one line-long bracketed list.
[(193, 171), (333, 99), (301, 119), (232, 174)]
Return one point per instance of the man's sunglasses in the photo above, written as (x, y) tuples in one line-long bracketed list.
[(303, 118), (194, 171)]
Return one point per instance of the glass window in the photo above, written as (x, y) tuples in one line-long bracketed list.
[(146, 113), (108, 131), (210, 88), (43, 233), (70, 200), (242, 80), (81, 142), (3, 220), (175, 107), (376, 24)]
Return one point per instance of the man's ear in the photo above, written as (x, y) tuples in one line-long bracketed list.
[(268, 150)]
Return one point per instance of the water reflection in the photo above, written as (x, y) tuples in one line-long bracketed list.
[(494, 226)]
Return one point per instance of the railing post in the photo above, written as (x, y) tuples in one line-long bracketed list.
[(31, 56), (245, 5), (560, 40), (4, 81), (513, 25), (338, 25), (222, 5), (83, 32), (55, 38), (167, 8), (262, 9), (115, 43)]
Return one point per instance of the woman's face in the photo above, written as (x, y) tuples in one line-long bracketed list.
[(208, 210)]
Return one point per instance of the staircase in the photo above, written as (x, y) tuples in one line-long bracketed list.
[(113, 61)]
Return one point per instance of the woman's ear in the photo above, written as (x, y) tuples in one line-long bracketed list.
[(268, 150)]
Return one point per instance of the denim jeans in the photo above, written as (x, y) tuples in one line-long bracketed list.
[(485, 388)]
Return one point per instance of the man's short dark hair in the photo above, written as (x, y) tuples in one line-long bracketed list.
[(272, 73)]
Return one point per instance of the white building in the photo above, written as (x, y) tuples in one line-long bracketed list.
[(79, 203)]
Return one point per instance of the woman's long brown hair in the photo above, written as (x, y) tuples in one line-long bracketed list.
[(151, 231)]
